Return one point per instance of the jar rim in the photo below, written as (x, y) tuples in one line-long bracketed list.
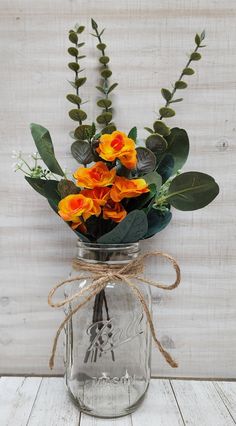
[(98, 246)]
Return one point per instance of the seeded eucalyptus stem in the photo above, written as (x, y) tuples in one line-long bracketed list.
[(76, 114), (169, 101), (105, 103)]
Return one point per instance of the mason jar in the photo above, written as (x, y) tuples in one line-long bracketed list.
[(108, 344)]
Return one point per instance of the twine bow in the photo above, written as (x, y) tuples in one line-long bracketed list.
[(101, 275)]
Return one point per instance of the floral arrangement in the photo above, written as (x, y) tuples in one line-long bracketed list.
[(123, 190)]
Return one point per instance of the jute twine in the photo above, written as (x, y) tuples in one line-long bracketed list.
[(100, 275)]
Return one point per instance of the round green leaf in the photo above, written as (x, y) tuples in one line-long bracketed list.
[(195, 56), (82, 152), (178, 147), (104, 103), (73, 37), (153, 178), (73, 51), (197, 39), (74, 66), (83, 131), (77, 114), (166, 94), (167, 112), (104, 118), (106, 73), (80, 81), (80, 29), (188, 71), (157, 221), (146, 160), (104, 60), (161, 128), (108, 129), (74, 99), (192, 191), (180, 85), (156, 143), (101, 46)]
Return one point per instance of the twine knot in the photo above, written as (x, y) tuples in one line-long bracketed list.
[(100, 275)]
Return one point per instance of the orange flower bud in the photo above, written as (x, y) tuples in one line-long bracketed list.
[(76, 206), (99, 195), (95, 176), (118, 145), (127, 188), (114, 211)]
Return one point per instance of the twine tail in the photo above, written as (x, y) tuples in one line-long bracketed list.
[(140, 296)]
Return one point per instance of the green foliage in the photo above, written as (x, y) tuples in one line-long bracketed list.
[(153, 178), (166, 94), (74, 66), (77, 115), (73, 51), (104, 118), (108, 129), (129, 230), (104, 103), (82, 152), (74, 99), (192, 191), (46, 188), (73, 37), (180, 84), (166, 112), (146, 160), (178, 147), (45, 148), (133, 134), (104, 60), (165, 167), (80, 81), (195, 56), (188, 71), (161, 128), (157, 221), (85, 131), (156, 143), (67, 187)]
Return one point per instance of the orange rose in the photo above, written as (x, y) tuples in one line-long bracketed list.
[(127, 188), (118, 145), (99, 195), (76, 206), (114, 211), (95, 176)]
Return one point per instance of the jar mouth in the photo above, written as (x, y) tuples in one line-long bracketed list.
[(107, 253), (97, 246)]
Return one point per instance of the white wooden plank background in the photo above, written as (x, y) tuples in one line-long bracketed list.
[(147, 43), (44, 401)]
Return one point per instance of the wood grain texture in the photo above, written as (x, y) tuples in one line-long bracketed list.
[(147, 45)]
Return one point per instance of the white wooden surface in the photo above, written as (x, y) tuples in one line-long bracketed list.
[(147, 43), (44, 401)]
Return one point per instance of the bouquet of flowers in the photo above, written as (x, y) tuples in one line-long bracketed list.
[(124, 189)]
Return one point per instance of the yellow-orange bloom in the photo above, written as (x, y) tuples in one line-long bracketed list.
[(95, 176), (118, 145), (127, 188), (99, 195), (76, 206), (114, 211)]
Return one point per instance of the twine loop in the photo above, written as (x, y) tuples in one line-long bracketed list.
[(100, 275)]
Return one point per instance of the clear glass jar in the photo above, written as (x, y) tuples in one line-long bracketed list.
[(108, 340)]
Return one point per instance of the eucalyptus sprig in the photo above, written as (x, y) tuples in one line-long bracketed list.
[(160, 128), (76, 114), (105, 103)]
